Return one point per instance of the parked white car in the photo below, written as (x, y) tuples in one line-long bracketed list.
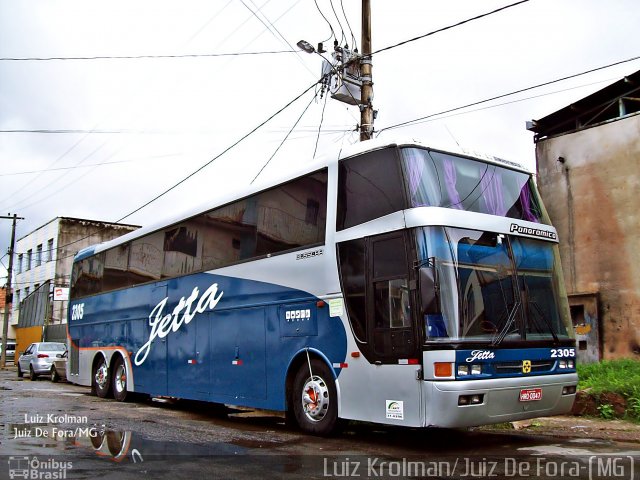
[(38, 358), (11, 350)]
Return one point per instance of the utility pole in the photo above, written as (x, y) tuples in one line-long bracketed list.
[(366, 99), (8, 294)]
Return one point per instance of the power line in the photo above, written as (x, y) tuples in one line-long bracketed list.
[(237, 142), (105, 143), (417, 120), (320, 126), (71, 182), (333, 34), (141, 57), (354, 44), (84, 166), (477, 17), (273, 30), (284, 139), (512, 102), (339, 23)]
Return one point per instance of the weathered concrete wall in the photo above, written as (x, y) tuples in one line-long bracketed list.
[(593, 199)]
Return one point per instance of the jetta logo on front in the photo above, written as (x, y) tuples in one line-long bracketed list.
[(161, 325), (480, 355)]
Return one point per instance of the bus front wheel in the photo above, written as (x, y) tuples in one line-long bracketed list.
[(100, 378), (119, 380), (314, 399)]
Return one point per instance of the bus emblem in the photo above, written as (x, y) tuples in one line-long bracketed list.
[(480, 355), (161, 325), (526, 366)]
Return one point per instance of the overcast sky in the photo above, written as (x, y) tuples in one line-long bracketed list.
[(140, 125)]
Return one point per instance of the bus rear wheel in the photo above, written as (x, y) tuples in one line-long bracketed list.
[(314, 399), (100, 378), (119, 380)]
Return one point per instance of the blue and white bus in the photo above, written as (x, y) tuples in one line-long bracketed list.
[(397, 284)]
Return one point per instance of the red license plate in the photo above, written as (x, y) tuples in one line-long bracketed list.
[(530, 394)]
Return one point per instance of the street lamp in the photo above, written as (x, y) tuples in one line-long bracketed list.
[(306, 46)]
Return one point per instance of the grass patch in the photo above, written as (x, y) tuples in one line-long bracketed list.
[(613, 376)]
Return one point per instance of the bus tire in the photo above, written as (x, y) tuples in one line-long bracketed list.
[(119, 380), (314, 400), (100, 378)]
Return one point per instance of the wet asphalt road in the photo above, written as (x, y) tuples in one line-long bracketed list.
[(61, 431)]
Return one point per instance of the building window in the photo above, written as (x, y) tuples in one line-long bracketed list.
[(26, 292), (39, 255), (20, 263), (29, 256), (17, 303), (50, 250)]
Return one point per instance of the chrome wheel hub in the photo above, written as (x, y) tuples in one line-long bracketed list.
[(121, 378), (101, 375), (315, 399)]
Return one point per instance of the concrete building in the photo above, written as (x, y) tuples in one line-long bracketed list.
[(588, 162), (46, 255)]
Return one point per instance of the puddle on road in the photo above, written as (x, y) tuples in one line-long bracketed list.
[(114, 445)]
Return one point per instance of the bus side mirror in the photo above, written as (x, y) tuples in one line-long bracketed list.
[(428, 287)]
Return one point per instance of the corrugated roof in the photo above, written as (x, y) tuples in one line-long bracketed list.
[(612, 102)]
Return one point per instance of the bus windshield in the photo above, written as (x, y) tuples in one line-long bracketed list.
[(491, 287), (438, 179)]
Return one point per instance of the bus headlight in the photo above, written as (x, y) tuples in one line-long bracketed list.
[(464, 370), (564, 364)]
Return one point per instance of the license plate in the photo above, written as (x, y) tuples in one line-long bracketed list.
[(530, 394)]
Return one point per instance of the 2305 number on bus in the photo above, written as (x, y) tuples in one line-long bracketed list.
[(77, 311), (563, 352)]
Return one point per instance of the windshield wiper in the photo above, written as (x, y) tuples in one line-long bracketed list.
[(506, 329)]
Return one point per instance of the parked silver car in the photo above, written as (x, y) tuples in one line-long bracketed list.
[(38, 358), (59, 368)]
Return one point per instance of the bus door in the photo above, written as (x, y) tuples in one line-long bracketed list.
[(379, 289)]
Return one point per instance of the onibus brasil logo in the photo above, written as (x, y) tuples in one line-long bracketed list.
[(33, 468)]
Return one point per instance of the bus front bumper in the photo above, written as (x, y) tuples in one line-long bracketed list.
[(500, 400)]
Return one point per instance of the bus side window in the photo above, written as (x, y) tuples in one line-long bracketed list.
[(87, 275)]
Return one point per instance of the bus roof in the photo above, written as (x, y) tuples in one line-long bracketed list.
[(322, 162)]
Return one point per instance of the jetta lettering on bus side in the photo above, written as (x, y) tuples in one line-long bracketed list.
[(480, 355), (161, 325)]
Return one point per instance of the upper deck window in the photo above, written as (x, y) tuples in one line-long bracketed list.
[(438, 179), (370, 186)]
